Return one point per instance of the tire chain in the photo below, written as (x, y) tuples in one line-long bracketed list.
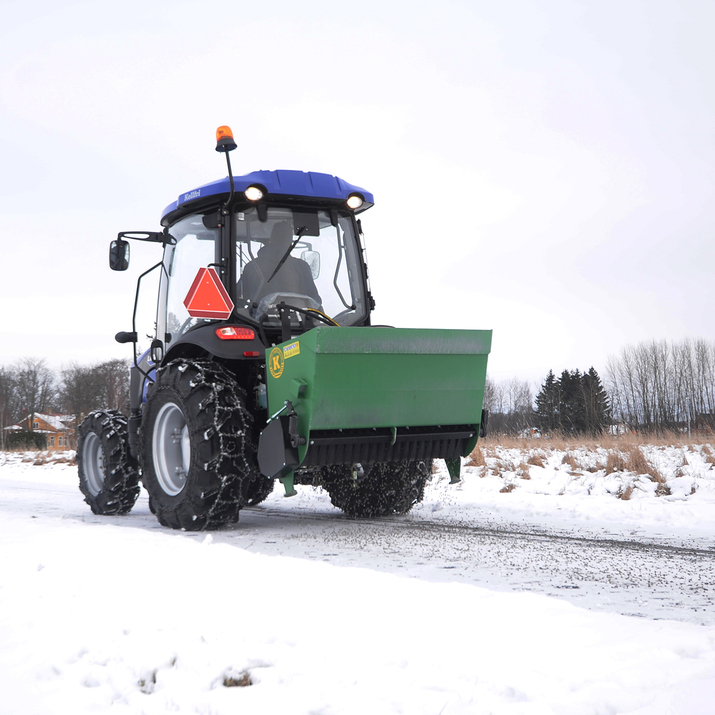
[(121, 485), (231, 424), (386, 488)]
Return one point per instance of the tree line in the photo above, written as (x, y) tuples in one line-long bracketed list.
[(30, 387), (660, 385), (573, 403), (649, 387)]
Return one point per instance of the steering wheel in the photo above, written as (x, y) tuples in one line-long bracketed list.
[(292, 300)]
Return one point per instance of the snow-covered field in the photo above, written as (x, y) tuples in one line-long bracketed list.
[(120, 615)]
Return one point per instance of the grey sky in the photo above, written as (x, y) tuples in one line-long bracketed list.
[(544, 169)]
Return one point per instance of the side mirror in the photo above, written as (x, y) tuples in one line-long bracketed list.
[(312, 258), (119, 255), (157, 351)]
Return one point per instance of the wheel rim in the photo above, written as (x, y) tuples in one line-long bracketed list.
[(93, 458), (171, 449)]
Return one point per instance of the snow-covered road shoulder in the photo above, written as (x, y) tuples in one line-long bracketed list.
[(141, 619), (94, 617)]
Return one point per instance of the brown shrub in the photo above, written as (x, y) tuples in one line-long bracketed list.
[(240, 680), (501, 466), (626, 493), (523, 471), (536, 459), (507, 488), (476, 459), (571, 461), (615, 462), (638, 463), (64, 460)]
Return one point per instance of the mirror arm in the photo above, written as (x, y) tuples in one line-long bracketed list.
[(134, 318)]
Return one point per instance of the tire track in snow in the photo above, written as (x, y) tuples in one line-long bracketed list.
[(640, 576)]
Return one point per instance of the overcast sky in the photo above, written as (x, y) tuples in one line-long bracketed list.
[(543, 169)]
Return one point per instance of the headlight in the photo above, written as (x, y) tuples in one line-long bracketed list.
[(253, 193), (355, 201)]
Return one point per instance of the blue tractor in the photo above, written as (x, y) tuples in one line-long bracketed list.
[(265, 365)]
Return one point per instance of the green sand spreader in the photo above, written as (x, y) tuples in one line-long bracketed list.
[(343, 396)]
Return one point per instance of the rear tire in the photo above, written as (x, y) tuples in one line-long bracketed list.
[(197, 454), (259, 490), (108, 475), (381, 490)]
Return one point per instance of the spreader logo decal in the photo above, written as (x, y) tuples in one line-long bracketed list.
[(291, 350), (207, 298), (275, 362)]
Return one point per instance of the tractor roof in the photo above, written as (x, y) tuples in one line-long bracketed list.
[(308, 184)]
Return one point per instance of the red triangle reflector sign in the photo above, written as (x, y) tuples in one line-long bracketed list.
[(207, 297)]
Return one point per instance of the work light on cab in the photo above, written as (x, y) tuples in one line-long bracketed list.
[(253, 193), (355, 201), (224, 139)]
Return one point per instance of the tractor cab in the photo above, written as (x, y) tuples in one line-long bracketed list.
[(280, 269)]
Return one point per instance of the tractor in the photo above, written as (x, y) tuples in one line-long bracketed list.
[(265, 365)]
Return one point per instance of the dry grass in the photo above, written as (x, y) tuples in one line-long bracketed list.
[(572, 462), (240, 680), (626, 493), (476, 459), (500, 466), (507, 488), (615, 462), (638, 463), (624, 442), (523, 471), (680, 471), (568, 458), (40, 457), (536, 460)]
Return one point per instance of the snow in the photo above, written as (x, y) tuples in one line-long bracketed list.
[(99, 613)]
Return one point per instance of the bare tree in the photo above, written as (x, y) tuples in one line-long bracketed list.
[(8, 403), (101, 386), (34, 386), (510, 405), (115, 376), (659, 385)]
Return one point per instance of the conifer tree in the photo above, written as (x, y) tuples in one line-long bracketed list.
[(574, 403), (547, 404), (596, 403)]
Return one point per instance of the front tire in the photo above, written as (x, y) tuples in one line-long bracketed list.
[(108, 475), (379, 489), (197, 453)]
